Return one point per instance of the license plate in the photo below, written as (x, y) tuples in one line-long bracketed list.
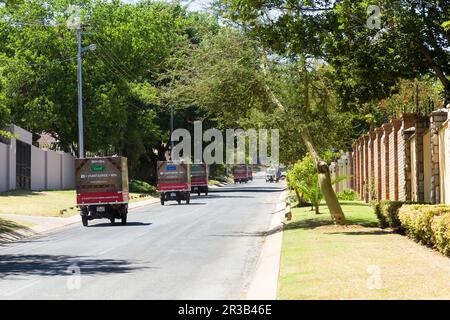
[(100, 209), (195, 188), (173, 194)]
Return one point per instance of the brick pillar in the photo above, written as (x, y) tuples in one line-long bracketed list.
[(422, 124), (366, 168), (404, 155), (377, 162), (393, 160), (437, 118), (348, 170), (351, 163), (372, 155), (353, 169), (385, 155), (361, 167), (404, 164)]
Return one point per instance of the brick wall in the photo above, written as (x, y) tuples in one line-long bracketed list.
[(401, 160)]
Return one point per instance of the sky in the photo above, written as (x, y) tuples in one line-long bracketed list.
[(195, 5)]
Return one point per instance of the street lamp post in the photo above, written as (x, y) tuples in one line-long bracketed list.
[(81, 50), (171, 126), (80, 98)]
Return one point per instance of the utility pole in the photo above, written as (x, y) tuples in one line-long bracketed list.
[(81, 50), (171, 130), (80, 97), (171, 126)]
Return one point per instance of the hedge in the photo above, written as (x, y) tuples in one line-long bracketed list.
[(141, 187), (440, 225), (426, 224), (387, 214), (347, 195)]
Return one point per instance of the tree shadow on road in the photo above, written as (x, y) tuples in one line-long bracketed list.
[(129, 224), (251, 234), (12, 231), (52, 265), (248, 189), (216, 196)]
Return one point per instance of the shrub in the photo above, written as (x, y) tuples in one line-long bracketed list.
[(387, 214), (347, 195), (417, 222), (381, 219), (440, 226), (141, 187)]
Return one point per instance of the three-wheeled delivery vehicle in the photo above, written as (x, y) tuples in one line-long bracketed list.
[(199, 178), (174, 181), (102, 188), (249, 172), (240, 173)]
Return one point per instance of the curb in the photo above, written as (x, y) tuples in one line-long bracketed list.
[(264, 285)]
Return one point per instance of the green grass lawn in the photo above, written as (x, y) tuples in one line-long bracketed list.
[(322, 261), (43, 203)]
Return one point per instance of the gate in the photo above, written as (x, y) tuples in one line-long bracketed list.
[(23, 166)]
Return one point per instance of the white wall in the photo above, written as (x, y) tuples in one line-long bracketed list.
[(53, 171), (3, 167), (12, 164), (37, 169), (50, 170), (68, 171)]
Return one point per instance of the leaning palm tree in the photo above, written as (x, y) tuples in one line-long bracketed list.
[(313, 193)]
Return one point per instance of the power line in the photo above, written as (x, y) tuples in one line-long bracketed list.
[(114, 70), (114, 57), (112, 67)]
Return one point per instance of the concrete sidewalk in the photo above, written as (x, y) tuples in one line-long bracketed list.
[(46, 224), (264, 285)]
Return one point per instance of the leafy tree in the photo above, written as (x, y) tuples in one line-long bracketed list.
[(412, 42), (296, 36), (123, 110)]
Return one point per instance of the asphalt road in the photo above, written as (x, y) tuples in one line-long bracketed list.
[(206, 250)]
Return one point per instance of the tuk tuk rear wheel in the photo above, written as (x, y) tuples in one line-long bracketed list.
[(124, 218), (85, 221)]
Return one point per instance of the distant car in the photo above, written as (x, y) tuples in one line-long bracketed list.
[(271, 175)]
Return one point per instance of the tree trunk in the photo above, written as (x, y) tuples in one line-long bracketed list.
[(316, 207), (325, 182), (328, 193), (299, 198)]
